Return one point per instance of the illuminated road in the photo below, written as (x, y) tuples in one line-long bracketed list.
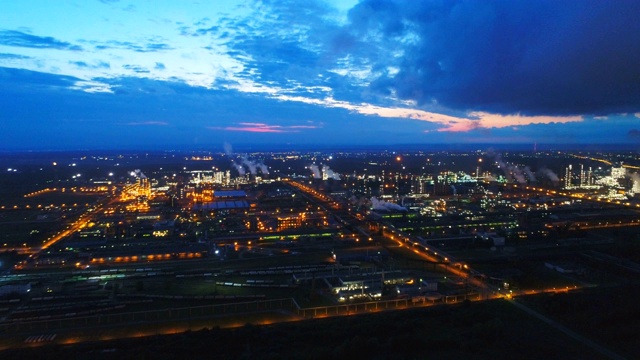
[(80, 223), (408, 243), (567, 193), (444, 261), (441, 259), (348, 219)]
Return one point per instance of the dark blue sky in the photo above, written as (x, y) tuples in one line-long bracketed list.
[(120, 74)]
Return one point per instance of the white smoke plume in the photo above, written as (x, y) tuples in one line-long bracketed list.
[(636, 181), (316, 171), (227, 149), (549, 174), (138, 173), (530, 174), (511, 172), (518, 176), (330, 174), (383, 205), (358, 201), (489, 178), (239, 167), (252, 165)]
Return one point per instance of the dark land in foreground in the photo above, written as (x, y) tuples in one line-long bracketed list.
[(477, 330), (96, 214)]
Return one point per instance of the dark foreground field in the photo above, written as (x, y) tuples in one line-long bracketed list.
[(487, 330)]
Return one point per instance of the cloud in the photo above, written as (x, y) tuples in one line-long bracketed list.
[(31, 100), (283, 44), (148, 123), (127, 45), (379, 60), (96, 65), (537, 58), (462, 71), (79, 64), (488, 120), (17, 79), (448, 123), (154, 47), (91, 86), (6, 56), (21, 39), (136, 68), (204, 31), (263, 128)]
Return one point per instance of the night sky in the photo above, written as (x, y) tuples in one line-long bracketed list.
[(161, 74)]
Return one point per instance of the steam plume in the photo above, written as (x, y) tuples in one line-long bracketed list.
[(383, 205), (316, 171), (543, 171), (330, 174)]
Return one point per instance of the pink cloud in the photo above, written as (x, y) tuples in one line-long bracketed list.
[(302, 127), (146, 123), (472, 121), (483, 120), (488, 120), (263, 128), (256, 129)]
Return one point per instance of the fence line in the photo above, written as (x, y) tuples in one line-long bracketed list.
[(207, 311), (160, 315)]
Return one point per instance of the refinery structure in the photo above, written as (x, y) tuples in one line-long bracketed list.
[(609, 183), (326, 229)]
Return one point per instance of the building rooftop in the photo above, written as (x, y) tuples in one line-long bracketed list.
[(223, 205), (230, 194)]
